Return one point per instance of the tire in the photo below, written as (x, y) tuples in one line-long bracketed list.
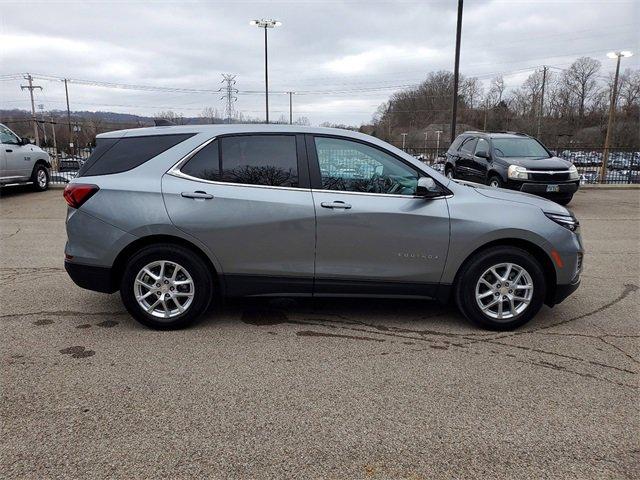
[(564, 200), (177, 295), (448, 171), (469, 285), (495, 181), (40, 178)]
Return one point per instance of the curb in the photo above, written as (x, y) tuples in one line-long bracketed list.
[(611, 186)]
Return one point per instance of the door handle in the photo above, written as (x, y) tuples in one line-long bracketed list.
[(198, 195), (336, 204), (8, 150)]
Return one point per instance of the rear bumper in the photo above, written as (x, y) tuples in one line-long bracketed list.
[(98, 279)]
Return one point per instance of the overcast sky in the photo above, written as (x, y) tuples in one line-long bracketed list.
[(343, 57)]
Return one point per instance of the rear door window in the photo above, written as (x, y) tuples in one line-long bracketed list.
[(116, 155), (269, 160)]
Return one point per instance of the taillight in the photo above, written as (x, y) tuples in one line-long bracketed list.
[(77, 193)]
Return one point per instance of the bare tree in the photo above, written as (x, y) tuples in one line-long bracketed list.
[(210, 115), (630, 88), (471, 91), (172, 116), (581, 80)]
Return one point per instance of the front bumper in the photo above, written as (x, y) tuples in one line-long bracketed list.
[(98, 279), (540, 188), (563, 291)]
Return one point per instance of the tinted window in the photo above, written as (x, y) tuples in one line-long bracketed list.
[(456, 144), (355, 167), (482, 146), (205, 164), (260, 160), (468, 144), (519, 147), (113, 155)]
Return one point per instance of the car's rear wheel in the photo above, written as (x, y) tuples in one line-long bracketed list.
[(501, 288), (448, 171), (166, 286), (40, 178)]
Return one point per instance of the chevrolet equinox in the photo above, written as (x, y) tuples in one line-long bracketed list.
[(177, 217)]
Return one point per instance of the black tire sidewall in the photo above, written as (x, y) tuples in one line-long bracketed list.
[(200, 274), (496, 178), (466, 284)]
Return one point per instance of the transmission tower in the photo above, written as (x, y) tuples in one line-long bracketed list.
[(229, 95)]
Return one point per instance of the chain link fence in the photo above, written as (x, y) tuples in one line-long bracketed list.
[(623, 165)]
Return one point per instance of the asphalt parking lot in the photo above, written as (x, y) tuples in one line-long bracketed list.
[(325, 389)]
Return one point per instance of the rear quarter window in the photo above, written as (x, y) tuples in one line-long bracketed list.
[(116, 155)]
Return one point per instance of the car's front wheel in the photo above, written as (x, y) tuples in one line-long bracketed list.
[(448, 171), (40, 178), (166, 286), (501, 288)]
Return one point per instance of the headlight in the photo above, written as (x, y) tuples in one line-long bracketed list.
[(516, 172), (567, 221), (573, 173)]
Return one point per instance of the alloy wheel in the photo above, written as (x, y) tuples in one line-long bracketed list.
[(41, 178), (164, 289), (504, 291)]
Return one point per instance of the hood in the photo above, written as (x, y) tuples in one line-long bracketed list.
[(519, 197), (553, 163)]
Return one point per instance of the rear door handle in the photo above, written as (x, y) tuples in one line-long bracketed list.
[(336, 204), (199, 195)]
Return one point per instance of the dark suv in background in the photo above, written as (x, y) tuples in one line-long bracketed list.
[(512, 160)]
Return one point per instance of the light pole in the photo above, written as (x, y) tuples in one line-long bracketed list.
[(404, 140), (266, 24), (291, 94), (438, 132), (612, 111)]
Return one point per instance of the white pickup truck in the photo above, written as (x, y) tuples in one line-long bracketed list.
[(22, 162)]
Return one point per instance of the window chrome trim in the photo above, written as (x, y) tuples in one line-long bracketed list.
[(176, 171), (392, 195)]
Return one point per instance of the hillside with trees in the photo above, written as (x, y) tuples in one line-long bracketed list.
[(575, 107)]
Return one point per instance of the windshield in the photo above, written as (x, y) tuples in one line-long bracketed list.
[(519, 147)]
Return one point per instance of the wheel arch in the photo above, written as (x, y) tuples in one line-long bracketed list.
[(537, 252), (120, 262)]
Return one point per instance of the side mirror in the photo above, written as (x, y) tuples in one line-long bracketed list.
[(427, 188), (25, 141), (483, 154)]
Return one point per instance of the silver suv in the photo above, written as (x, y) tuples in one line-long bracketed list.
[(175, 217)]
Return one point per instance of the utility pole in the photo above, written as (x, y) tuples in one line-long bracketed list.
[(53, 131), (456, 73), (31, 87), (541, 112), (66, 92), (230, 95), (290, 107), (438, 132), (44, 123), (426, 137), (612, 113), (404, 140)]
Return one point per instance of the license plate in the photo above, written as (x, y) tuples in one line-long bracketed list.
[(553, 188)]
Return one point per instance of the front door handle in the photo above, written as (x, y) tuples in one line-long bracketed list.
[(199, 195), (8, 150), (336, 204)]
